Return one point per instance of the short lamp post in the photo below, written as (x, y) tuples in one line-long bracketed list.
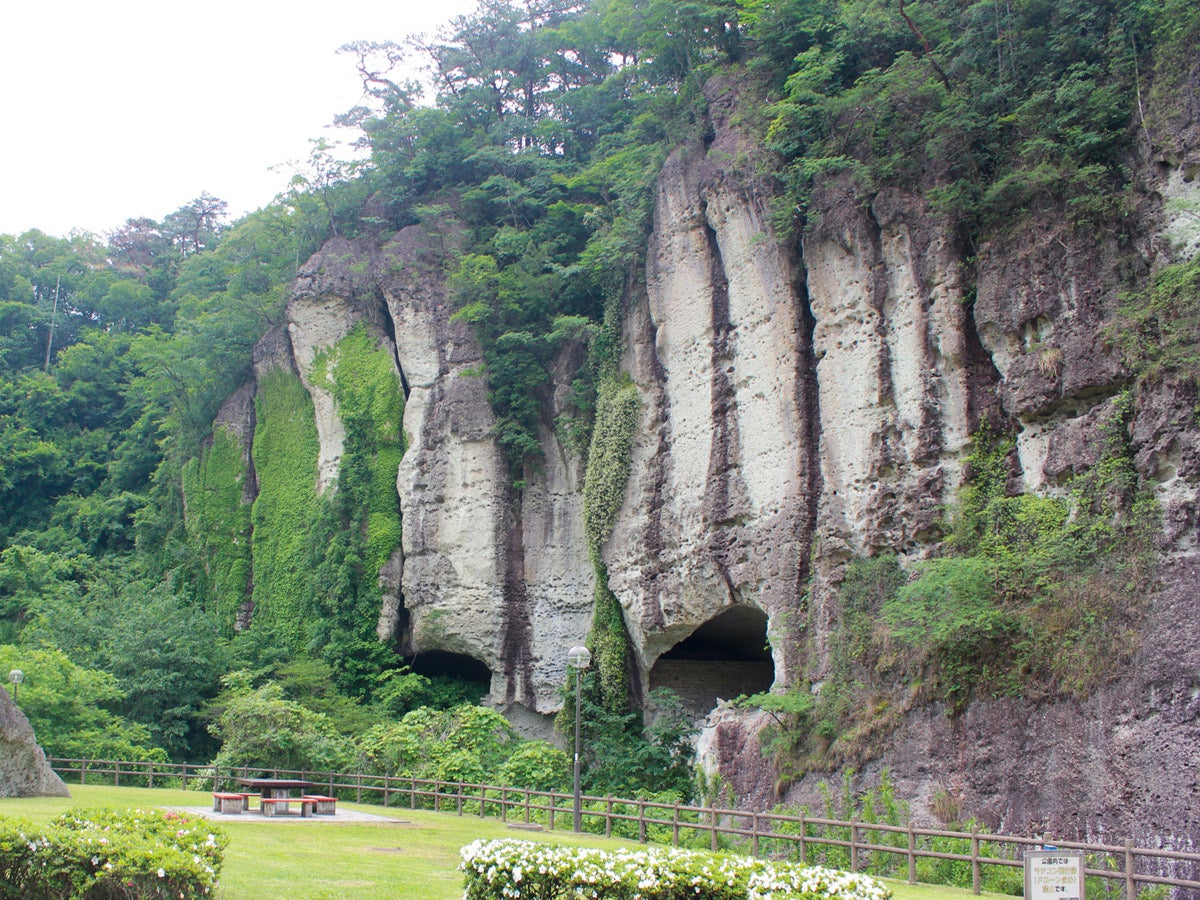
[(578, 658), (16, 676)]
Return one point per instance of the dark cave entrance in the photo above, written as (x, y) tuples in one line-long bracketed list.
[(726, 656), (466, 673)]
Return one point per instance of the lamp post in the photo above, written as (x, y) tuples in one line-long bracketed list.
[(16, 676), (578, 658)]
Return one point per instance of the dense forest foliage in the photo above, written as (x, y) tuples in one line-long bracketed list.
[(541, 138)]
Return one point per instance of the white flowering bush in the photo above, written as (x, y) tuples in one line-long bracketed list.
[(92, 854), (510, 869)]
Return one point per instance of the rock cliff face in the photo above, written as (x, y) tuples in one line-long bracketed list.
[(24, 771), (462, 582), (800, 406), (717, 512)]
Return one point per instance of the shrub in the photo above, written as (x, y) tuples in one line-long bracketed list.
[(512, 869), (261, 730), (92, 854)]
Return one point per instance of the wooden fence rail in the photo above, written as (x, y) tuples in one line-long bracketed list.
[(855, 844)]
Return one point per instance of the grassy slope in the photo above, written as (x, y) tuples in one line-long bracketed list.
[(416, 856)]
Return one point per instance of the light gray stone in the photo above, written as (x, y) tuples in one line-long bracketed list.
[(24, 771)]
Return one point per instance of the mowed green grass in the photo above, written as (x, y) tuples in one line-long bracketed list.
[(413, 855)]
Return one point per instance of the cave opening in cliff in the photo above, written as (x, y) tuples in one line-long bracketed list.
[(725, 657), (442, 665)]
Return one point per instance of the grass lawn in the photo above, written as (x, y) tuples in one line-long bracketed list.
[(413, 856)]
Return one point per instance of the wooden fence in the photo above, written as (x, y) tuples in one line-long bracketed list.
[(860, 846)]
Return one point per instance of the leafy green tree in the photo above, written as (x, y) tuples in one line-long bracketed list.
[(70, 707), (259, 729), (466, 743), (164, 655)]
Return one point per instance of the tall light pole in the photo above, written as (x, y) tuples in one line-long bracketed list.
[(16, 676), (578, 658)]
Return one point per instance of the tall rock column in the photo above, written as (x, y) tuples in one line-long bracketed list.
[(490, 573), (902, 379), (718, 510)]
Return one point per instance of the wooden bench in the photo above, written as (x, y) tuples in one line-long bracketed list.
[(270, 805), (322, 806), (229, 802)]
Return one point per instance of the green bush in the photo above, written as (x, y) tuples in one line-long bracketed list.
[(261, 730), (503, 869), (949, 616), (110, 855)]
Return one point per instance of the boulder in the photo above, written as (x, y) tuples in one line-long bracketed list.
[(24, 771)]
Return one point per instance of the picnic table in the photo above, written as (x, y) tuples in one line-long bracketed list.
[(275, 794)]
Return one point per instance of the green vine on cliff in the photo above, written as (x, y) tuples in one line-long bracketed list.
[(360, 526), (285, 452), (609, 459), (218, 524), (1157, 330), (610, 645), (370, 401)]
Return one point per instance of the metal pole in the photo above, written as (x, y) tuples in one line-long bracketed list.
[(578, 658), (578, 714)]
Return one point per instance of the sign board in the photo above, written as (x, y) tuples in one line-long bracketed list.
[(1054, 875)]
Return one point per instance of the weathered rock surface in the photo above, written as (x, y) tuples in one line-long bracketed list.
[(462, 581), (24, 771), (715, 513), (800, 405)]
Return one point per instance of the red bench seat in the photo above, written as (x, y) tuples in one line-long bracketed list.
[(270, 805), (224, 802), (322, 806)]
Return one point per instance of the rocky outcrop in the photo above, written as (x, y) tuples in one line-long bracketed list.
[(802, 403), (334, 291), (462, 582), (24, 771), (716, 513)]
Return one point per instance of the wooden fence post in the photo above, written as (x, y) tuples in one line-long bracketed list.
[(976, 874), (767, 830), (1130, 881)]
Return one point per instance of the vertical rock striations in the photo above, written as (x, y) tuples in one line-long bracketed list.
[(717, 513), (800, 406)]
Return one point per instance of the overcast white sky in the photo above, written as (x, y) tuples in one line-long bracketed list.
[(125, 108)]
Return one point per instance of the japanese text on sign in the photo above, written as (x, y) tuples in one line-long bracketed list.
[(1053, 875)]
